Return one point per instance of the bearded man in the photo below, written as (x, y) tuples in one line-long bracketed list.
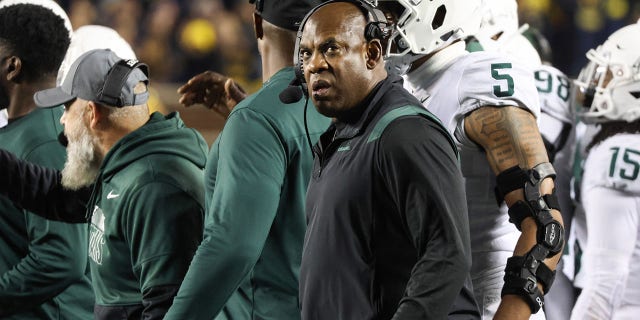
[(139, 176)]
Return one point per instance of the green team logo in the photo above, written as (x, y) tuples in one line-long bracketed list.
[(96, 236)]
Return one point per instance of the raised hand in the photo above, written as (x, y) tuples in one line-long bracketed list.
[(213, 90)]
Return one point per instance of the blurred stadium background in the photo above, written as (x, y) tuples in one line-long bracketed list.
[(181, 38)]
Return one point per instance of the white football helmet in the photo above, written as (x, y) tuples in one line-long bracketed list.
[(421, 27), (499, 32), (608, 87), (498, 16)]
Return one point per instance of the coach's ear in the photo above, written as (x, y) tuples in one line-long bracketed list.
[(373, 53)]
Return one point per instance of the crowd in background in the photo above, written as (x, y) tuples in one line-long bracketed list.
[(179, 39)]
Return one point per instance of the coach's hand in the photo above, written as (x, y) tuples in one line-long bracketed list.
[(213, 90)]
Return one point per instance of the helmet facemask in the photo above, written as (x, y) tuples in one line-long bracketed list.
[(423, 27), (608, 89)]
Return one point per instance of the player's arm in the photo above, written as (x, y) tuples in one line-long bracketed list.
[(513, 146), (39, 190)]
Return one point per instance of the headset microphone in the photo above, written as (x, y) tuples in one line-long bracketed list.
[(293, 93)]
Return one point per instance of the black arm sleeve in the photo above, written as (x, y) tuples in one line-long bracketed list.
[(39, 190), (423, 177)]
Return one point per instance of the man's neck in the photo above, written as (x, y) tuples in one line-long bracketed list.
[(272, 64), (21, 97), (275, 56)]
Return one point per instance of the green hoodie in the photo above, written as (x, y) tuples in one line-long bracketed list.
[(43, 263), (146, 214)]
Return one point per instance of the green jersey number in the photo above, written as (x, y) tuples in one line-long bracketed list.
[(631, 158), (498, 91), (544, 84)]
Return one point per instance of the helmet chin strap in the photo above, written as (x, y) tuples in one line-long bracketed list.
[(436, 63), (400, 64)]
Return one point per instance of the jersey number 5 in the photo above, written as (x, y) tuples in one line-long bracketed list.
[(495, 73)]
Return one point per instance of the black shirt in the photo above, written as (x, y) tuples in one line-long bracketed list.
[(387, 231)]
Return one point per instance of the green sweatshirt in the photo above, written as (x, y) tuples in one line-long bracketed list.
[(43, 264), (256, 181), (147, 217)]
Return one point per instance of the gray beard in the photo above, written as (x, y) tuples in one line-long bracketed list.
[(83, 164)]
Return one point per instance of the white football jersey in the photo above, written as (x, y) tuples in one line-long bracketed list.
[(614, 163), (554, 89), (452, 89), (452, 84), (611, 201)]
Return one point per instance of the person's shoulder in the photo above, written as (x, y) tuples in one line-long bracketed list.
[(267, 98), (41, 145), (618, 141), (550, 69), (411, 122), (613, 163), (489, 64)]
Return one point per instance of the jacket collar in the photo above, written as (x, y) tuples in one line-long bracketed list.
[(357, 120)]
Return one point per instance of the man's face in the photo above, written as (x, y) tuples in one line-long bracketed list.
[(333, 52), (83, 162)]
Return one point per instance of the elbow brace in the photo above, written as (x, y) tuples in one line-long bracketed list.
[(523, 273)]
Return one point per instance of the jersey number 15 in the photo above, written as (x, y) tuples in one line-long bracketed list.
[(630, 163)]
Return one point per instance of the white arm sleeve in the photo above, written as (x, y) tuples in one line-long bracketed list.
[(612, 224)]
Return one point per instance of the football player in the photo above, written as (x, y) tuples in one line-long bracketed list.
[(500, 31), (489, 102), (609, 95)]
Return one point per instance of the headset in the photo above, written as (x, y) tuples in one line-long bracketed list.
[(377, 28), (116, 78)]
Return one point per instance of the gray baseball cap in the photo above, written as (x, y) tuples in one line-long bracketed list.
[(87, 79)]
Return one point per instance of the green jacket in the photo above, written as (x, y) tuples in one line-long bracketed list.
[(256, 180), (146, 214), (43, 264)]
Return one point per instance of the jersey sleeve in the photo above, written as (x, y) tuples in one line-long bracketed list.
[(609, 263), (496, 80), (492, 79), (251, 166), (554, 90)]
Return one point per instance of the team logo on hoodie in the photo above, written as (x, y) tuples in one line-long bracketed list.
[(96, 239)]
